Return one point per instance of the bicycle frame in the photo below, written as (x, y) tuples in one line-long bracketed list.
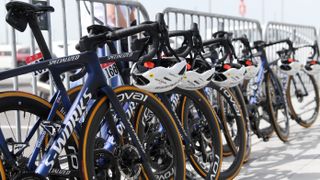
[(117, 81), (96, 82), (258, 81), (264, 69)]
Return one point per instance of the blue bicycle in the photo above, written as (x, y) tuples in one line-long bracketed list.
[(38, 158), (197, 122), (265, 96)]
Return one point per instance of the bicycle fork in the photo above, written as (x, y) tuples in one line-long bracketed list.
[(187, 141), (128, 126)]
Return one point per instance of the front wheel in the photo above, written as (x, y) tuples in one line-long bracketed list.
[(32, 112), (105, 158), (303, 98), (232, 126), (277, 107), (242, 103)]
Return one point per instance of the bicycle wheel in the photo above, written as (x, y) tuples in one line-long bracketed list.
[(258, 112), (277, 106), (239, 104), (30, 110), (201, 125), (236, 91), (233, 128), (2, 171), (303, 98), (126, 158), (230, 101)]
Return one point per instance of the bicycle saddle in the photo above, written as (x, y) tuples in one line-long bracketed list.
[(21, 13), (26, 7)]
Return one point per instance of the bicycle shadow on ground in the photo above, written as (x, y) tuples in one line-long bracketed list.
[(278, 160)]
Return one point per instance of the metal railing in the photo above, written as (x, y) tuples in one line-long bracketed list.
[(298, 34), (209, 23)]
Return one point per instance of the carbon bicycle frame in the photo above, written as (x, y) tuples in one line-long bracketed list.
[(116, 81), (96, 82), (264, 69)]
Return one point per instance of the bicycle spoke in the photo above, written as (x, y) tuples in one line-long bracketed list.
[(14, 137)]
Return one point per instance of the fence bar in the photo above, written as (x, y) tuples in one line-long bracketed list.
[(223, 22), (299, 34)]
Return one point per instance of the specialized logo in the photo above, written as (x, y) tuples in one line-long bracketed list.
[(119, 56), (64, 60), (68, 129)]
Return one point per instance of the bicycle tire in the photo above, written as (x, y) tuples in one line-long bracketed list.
[(264, 132), (304, 122), (22, 101), (241, 102), (198, 101), (239, 156), (92, 124), (277, 91)]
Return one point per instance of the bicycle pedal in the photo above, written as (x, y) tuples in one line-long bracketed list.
[(50, 127)]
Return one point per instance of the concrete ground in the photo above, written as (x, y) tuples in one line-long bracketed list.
[(298, 159)]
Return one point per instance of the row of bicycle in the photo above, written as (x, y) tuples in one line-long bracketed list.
[(188, 113)]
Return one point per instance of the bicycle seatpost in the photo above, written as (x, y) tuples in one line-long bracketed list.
[(34, 26)]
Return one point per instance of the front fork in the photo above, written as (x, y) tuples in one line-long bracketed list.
[(129, 128), (296, 87), (280, 92), (185, 137)]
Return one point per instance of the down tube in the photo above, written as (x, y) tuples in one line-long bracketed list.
[(64, 134), (258, 83)]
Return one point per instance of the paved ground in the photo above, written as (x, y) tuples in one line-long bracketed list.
[(298, 159)]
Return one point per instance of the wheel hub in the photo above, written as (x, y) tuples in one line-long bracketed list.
[(129, 162), (158, 152)]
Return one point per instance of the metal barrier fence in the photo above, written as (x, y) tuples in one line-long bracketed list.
[(70, 27), (209, 23), (299, 34)]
